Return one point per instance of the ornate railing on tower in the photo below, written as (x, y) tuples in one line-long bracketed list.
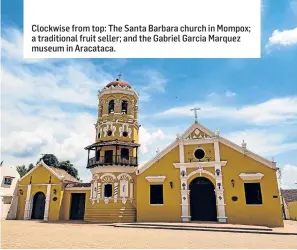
[(114, 160)]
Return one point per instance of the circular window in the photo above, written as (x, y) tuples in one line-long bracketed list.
[(199, 153), (55, 198), (125, 133), (109, 133)]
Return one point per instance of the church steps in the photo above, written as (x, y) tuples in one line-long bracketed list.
[(111, 215)]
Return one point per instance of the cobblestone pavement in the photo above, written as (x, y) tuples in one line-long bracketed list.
[(38, 234)]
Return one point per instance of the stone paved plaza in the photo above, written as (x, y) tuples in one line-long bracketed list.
[(36, 234)]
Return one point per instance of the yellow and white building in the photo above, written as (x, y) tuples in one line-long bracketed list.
[(201, 176)]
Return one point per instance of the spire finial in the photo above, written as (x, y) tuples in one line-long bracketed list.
[(195, 113), (119, 76)]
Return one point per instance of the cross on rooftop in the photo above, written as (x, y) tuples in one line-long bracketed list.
[(195, 113), (119, 76)]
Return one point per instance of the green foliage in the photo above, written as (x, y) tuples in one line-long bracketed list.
[(22, 170), (30, 167), (68, 167), (50, 160)]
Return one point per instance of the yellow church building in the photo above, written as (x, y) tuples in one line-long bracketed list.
[(200, 176)]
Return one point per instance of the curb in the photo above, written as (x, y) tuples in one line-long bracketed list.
[(206, 229), (211, 227)]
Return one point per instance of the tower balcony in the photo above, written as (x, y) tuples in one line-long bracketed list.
[(114, 152), (131, 161)]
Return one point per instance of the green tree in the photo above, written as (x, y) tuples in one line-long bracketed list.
[(50, 160), (68, 167), (30, 167), (22, 170)]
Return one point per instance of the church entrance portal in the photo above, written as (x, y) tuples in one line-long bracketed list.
[(202, 200), (77, 211), (38, 206)]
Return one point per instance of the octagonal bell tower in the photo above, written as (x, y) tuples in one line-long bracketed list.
[(113, 156)]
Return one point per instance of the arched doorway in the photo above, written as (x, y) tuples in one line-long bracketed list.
[(202, 200), (38, 206)]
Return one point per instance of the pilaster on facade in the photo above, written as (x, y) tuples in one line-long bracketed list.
[(98, 192), (217, 165), (219, 184), (28, 204), (47, 201)]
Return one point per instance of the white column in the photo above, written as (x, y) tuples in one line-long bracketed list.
[(98, 192), (94, 190), (28, 204), (116, 186), (47, 201), (184, 195), (184, 192), (219, 185)]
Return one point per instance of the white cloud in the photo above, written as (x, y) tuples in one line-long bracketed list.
[(230, 94), (151, 82), (151, 141), (289, 177), (270, 144), (270, 112), (284, 38), (43, 105)]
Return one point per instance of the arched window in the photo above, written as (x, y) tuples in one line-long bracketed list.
[(108, 190), (111, 106), (124, 107)]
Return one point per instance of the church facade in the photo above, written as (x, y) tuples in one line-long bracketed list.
[(201, 176)]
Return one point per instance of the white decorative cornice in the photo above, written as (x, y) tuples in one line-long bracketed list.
[(202, 164), (155, 178), (251, 176)]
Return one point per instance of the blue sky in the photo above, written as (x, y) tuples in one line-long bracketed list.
[(49, 106)]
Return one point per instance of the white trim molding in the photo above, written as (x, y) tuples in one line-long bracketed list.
[(28, 204), (251, 176), (47, 201), (197, 164), (108, 175), (124, 174), (202, 171), (154, 179), (198, 141), (78, 188)]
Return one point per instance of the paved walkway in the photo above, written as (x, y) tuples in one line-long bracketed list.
[(36, 234)]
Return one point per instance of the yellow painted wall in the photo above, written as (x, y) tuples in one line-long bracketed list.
[(292, 207), (40, 176), (171, 210), (117, 115), (190, 149), (66, 206), (21, 202), (40, 179), (269, 213)]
